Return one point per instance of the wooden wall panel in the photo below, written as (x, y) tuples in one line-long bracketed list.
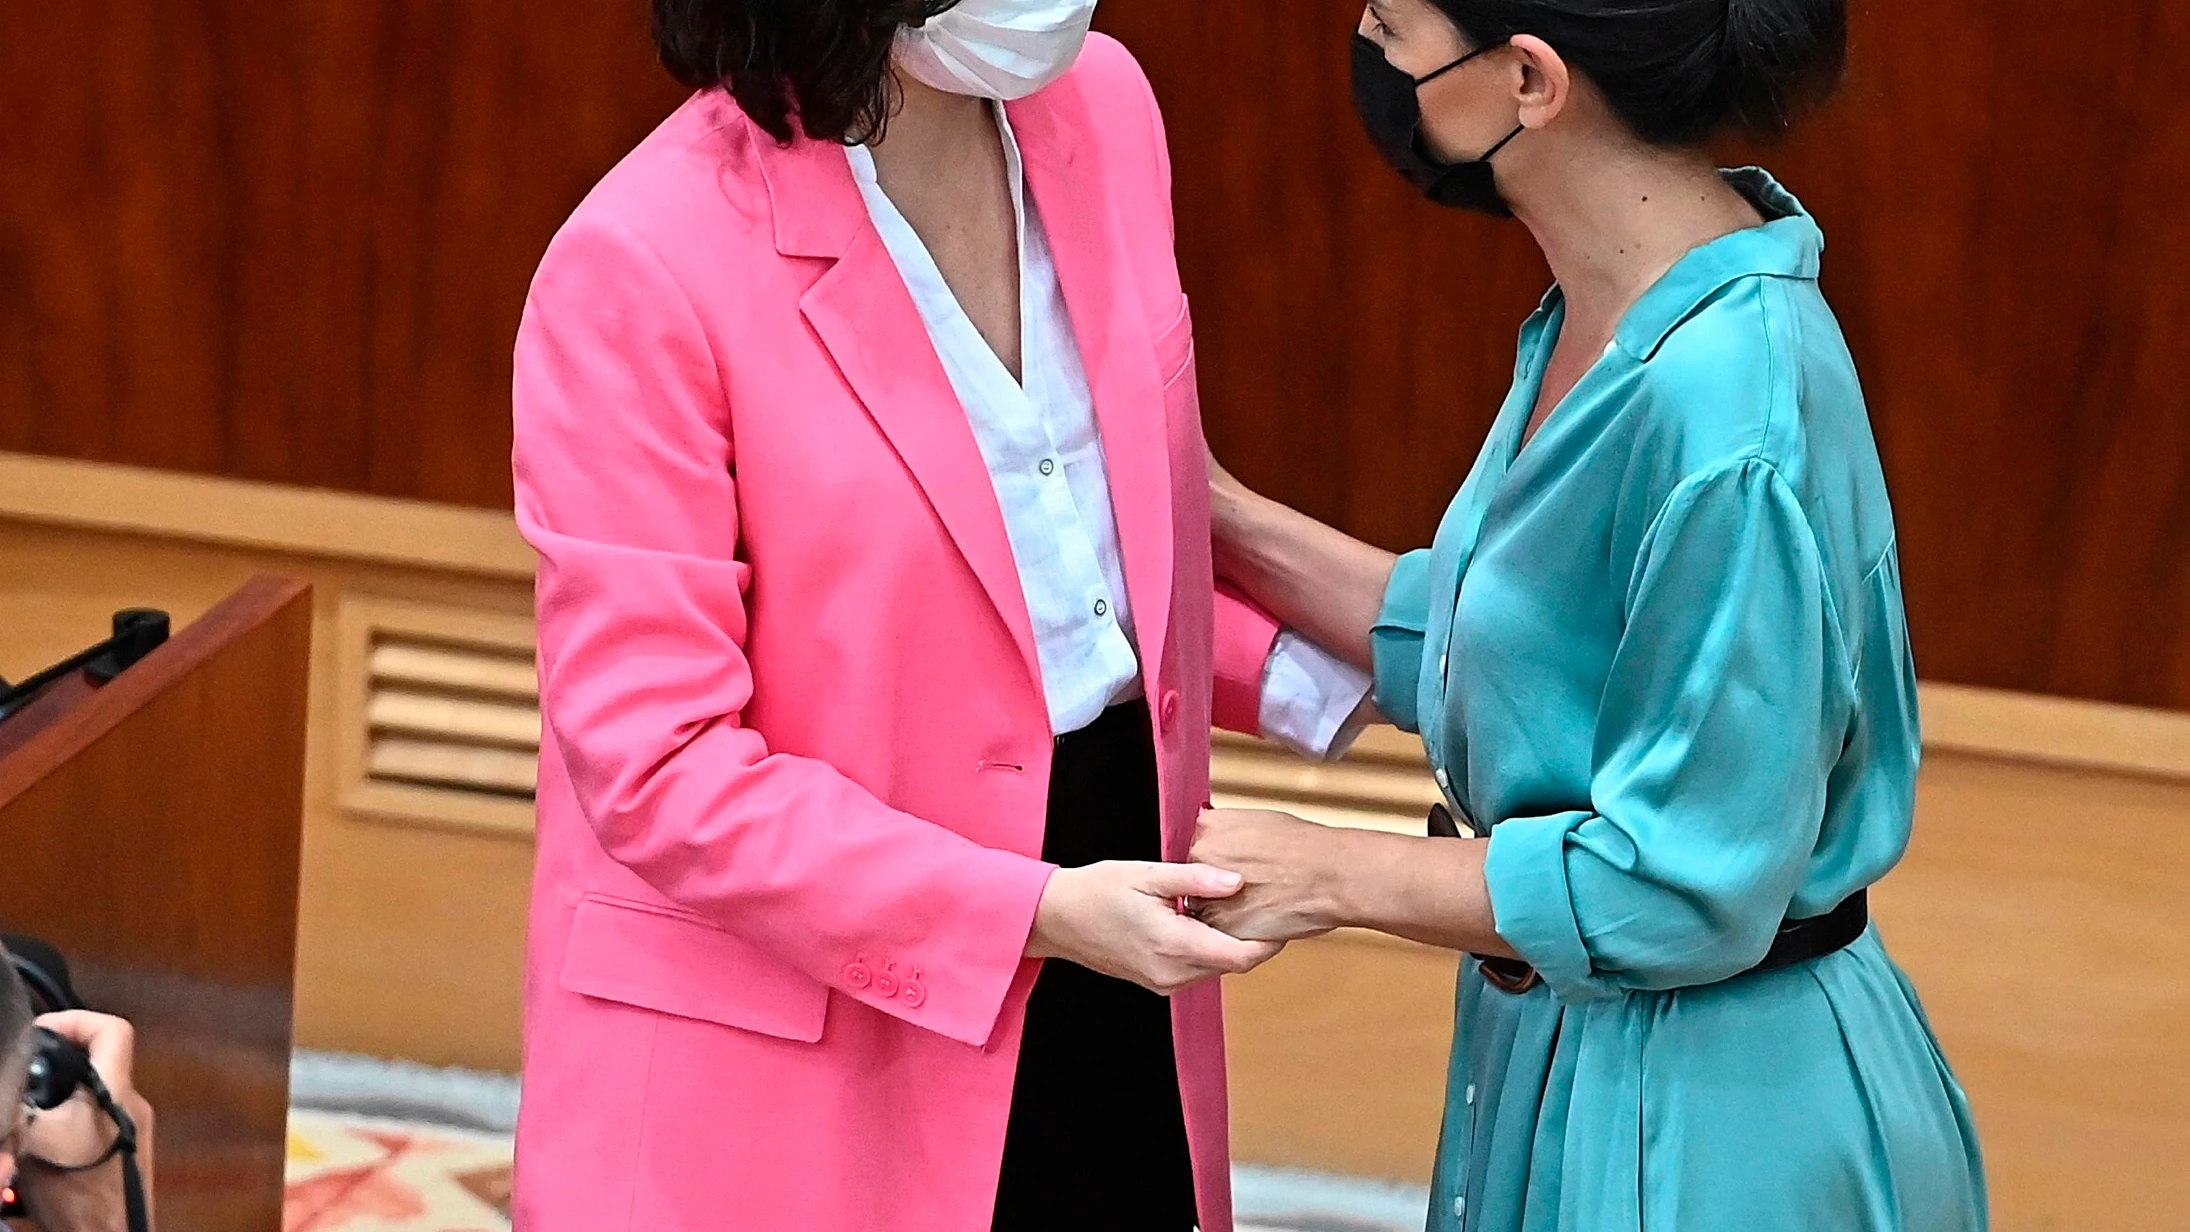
[(2013, 273), (291, 241), (409, 938)]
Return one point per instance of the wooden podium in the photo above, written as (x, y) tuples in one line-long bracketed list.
[(149, 829)]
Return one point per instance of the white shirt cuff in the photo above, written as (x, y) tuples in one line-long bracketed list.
[(1312, 702)]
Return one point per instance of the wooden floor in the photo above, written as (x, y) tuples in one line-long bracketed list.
[(2044, 913), (1338, 1051)]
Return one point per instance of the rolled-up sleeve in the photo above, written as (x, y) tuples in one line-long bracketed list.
[(1720, 723), (1395, 643)]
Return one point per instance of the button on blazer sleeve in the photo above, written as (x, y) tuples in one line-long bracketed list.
[(625, 488)]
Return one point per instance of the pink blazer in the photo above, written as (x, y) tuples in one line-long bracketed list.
[(793, 787)]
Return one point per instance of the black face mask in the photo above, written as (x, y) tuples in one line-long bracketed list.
[(1384, 95)]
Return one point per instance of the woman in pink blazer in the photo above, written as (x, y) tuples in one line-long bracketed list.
[(838, 672)]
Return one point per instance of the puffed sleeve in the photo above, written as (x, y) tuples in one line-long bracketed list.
[(626, 487), (1721, 720), (1395, 642)]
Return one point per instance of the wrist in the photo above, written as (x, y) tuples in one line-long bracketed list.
[(1364, 872), (1331, 890), (1239, 522), (1054, 914)]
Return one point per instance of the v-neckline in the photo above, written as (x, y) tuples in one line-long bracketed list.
[(1539, 367), (957, 319), (1524, 441)]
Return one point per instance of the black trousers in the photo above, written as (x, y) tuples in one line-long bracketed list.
[(1097, 1139)]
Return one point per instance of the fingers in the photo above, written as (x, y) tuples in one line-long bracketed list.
[(1172, 976), (1254, 917), (1133, 929), (1174, 881), (111, 1041), (1211, 950)]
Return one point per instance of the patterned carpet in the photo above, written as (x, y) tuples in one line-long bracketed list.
[(384, 1147), (365, 1174)]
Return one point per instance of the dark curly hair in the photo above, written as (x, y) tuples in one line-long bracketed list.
[(823, 62)]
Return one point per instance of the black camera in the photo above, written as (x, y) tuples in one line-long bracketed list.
[(59, 1068)]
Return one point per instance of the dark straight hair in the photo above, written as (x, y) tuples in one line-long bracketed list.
[(823, 63), (1682, 71)]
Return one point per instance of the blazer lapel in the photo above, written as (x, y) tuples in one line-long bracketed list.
[(866, 319), (1066, 185)]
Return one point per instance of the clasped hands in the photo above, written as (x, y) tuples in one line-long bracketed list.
[(1259, 879)]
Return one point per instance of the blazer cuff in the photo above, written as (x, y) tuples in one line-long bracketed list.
[(956, 983), (1244, 635)]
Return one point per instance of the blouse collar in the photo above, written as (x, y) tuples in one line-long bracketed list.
[(1788, 245)]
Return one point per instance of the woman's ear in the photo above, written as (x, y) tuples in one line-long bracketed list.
[(1546, 86)]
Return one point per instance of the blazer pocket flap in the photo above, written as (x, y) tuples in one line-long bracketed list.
[(675, 964)]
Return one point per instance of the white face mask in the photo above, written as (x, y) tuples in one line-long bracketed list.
[(1003, 49)]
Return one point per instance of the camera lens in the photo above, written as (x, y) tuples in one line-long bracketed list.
[(57, 1069)]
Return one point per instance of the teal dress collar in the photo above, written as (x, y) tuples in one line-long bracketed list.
[(1788, 245)]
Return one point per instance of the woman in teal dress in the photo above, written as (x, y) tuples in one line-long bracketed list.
[(1656, 654)]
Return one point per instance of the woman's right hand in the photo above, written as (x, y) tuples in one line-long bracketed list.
[(1122, 918)]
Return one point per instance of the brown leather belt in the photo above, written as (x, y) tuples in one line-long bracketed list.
[(1797, 940)]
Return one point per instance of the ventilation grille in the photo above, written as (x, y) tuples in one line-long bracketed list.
[(441, 715), (462, 717), (439, 724)]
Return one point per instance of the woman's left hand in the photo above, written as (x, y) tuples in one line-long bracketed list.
[(1289, 866)]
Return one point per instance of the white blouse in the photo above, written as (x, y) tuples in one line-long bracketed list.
[(1044, 453)]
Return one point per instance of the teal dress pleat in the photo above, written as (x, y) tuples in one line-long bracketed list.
[(1661, 651)]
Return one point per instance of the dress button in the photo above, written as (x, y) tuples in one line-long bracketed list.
[(857, 976), (913, 994), (1471, 1093), (1168, 712), (1102, 607), (1049, 466), (885, 984), (1460, 1207)]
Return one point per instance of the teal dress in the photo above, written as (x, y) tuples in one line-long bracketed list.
[(1661, 651)]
